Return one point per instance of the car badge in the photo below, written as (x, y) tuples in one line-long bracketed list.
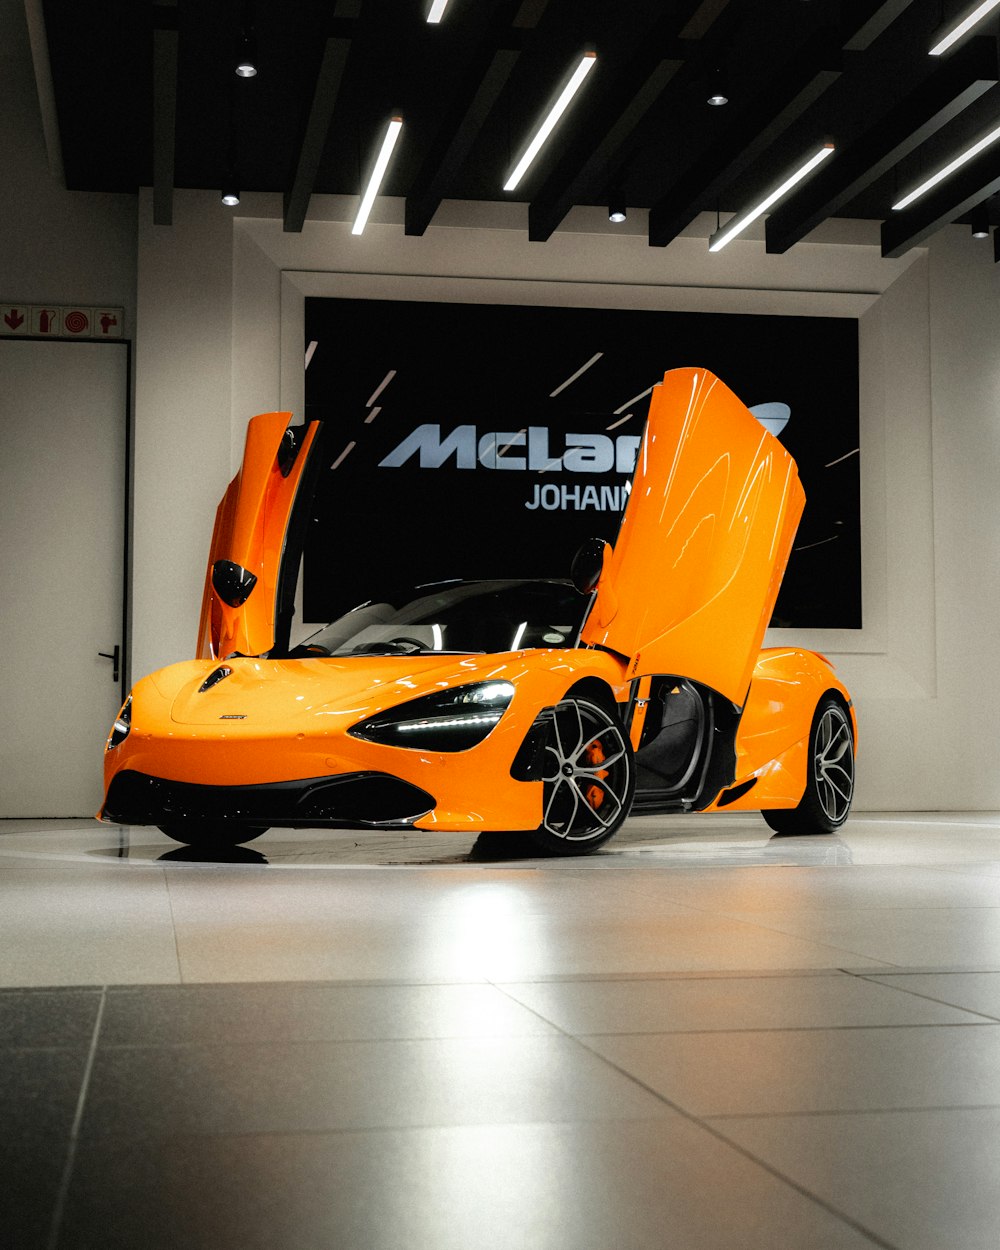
[(232, 716)]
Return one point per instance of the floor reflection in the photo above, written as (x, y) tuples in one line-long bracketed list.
[(736, 841), (807, 852)]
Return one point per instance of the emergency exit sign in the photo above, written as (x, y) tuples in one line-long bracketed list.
[(61, 321)]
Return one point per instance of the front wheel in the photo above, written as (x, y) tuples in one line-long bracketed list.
[(829, 790), (588, 778), (211, 833)]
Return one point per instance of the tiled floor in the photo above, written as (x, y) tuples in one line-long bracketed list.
[(703, 1037)]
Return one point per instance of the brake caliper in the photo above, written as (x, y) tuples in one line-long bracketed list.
[(594, 795)]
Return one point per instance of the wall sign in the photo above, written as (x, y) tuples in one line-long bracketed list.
[(466, 440), (66, 321)]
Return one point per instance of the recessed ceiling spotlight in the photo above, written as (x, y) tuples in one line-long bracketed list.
[(230, 197), (617, 213), (245, 65), (717, 95), (979, 220), (246, 60)]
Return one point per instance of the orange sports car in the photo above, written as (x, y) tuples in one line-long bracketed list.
[(555, 707)]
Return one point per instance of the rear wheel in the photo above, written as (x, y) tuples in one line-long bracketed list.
[(211, 832), (830, 777), (588, 778)]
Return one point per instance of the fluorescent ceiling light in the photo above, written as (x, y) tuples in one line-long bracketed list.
[(948, 170), (438, 7), (557, 110), (964, 26), (740, 222), (378, 173)]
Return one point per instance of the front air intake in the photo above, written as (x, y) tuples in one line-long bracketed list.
[(214, 678)]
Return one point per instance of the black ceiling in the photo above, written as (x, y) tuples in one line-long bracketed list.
[(146, 96)]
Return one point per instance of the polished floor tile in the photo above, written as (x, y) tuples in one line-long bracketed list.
[(814, 1070), (638, 1185), (729, 1003), (303, 1012), (234, 943), (39, 1095), (757, 891), (921, 1180), (972, 991), (46, 1018), (915, 937), (90, 927), (323, 1086)]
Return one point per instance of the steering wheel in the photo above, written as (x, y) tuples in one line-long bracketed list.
[(406, 642)]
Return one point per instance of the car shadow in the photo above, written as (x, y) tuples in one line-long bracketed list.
[(212, 855)]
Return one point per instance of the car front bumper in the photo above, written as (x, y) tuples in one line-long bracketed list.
[(350, 800)]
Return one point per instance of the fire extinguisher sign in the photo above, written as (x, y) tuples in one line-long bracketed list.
[(60, 321)]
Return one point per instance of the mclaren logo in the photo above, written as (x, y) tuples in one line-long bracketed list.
[(232, 716), (522, 451)]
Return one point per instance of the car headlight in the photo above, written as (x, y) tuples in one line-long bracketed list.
[(120, 729), (449, 720)]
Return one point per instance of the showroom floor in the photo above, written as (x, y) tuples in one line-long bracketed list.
[(701, 1037)]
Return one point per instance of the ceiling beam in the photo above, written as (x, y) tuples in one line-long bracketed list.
[(867, 19), (443, 163), (35, 16), (706, 14), (793, 87), (565, 188), (947, 91), (494, 34), (324, 101), (164, 109), (972, 184)]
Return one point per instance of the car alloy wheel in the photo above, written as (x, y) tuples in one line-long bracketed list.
[(588, 776), (826, 803), (833, 764)]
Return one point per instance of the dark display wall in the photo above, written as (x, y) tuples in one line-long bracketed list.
[(471, 440)]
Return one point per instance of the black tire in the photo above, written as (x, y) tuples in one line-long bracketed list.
[(826, 803), (588, 778), (211, 832)]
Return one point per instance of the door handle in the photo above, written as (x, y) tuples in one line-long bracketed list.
[(114, 657)]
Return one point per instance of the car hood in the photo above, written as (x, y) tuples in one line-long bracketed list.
[(279, 693), (690, 584)]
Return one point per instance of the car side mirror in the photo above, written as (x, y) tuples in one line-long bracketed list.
[(588, 564)]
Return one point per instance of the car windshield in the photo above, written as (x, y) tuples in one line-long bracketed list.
[(458, 617)]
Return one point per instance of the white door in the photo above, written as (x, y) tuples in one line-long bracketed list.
[(63, 413)]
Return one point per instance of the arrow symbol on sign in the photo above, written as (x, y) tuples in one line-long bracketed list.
[(13, 319)]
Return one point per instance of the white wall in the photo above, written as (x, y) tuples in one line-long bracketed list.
[(220, 337), (55, 246)]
